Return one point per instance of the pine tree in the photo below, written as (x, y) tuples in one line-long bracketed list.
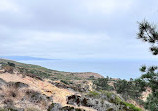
[(148, 33)]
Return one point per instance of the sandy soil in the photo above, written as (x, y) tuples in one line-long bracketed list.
[(58, 94)]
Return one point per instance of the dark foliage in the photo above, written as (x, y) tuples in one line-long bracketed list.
[(130, 89), (102, 84), (11, 64), (148, 33)]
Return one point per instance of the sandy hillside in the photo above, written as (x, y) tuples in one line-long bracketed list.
[(58, 94)]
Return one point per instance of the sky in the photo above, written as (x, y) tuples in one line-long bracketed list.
[(75, 29)]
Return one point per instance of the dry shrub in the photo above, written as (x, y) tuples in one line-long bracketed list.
[(37, 98), (19, 94), (8, 102), (34, 76), (11, 91), (8, 69)]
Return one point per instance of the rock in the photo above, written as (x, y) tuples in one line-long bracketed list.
[(98, 104), (74, 100), (78, 100)]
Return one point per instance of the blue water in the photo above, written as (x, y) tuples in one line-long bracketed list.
[(124, 69)]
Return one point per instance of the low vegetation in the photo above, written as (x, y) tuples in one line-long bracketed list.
[(130, 89), (111, 97), (102, 89), (103, 84)]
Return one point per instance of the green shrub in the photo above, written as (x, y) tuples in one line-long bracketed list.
[(65, 82), (151, 103), (129, 89), (132, 107), (93, 94), (102, 84), (11, 64)]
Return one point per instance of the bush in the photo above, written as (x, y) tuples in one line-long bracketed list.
[(131, 107), (130, 89), (93, 94), (151, 103), (102, 84), (11, 64), (69, 108), (65, 82)]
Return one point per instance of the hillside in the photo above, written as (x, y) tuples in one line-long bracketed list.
[(25, 87), (51, 74)]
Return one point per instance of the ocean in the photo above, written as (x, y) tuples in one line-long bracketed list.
[(124, 69)]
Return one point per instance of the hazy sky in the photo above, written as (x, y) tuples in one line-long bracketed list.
[(75, 28)]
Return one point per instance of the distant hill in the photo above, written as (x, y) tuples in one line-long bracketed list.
[(17, 58), (50, 73)]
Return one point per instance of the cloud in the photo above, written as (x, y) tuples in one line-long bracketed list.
[(8, 6), (62, 15), (74, 28), (107, 6)]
